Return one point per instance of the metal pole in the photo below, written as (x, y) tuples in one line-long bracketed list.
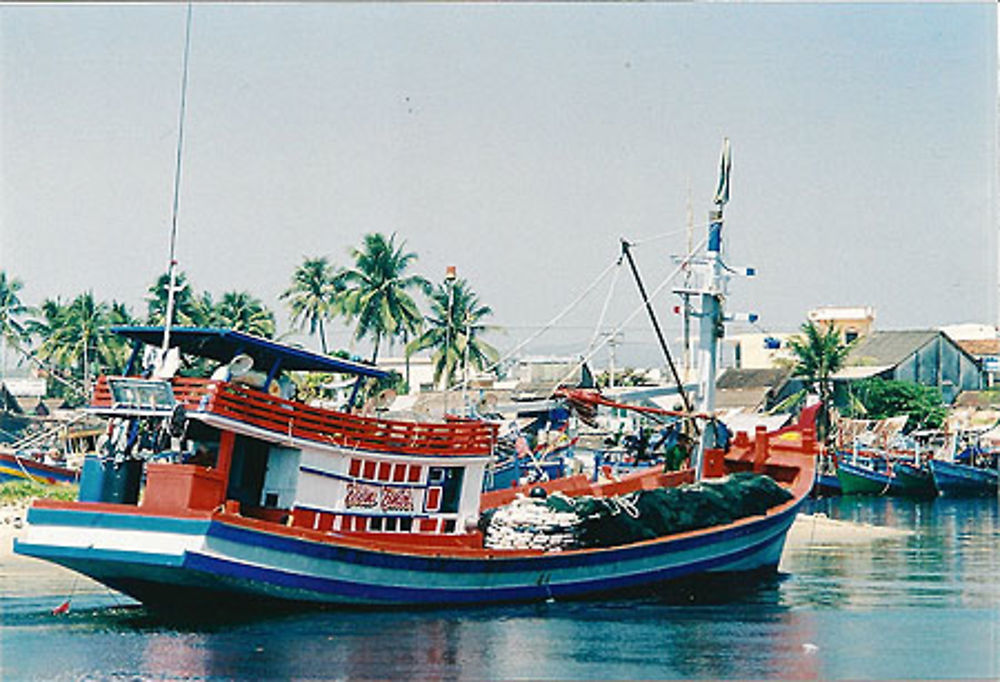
[(465, 362), (656, 326), (449, 278), (168, 320)]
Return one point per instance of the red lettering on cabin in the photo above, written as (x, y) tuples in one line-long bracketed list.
[(397, 500), (361, 496)]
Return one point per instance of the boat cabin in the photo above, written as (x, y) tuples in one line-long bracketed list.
[(239, 441)]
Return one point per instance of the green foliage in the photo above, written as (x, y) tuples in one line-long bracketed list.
[(16, 491), (243, 312), (12, 328), (881, 398), (376, 291), (313, 296), (190, 309), (76, 338), (454, 327), (819, 354)]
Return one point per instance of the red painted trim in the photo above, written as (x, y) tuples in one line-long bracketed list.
[(285, 417)]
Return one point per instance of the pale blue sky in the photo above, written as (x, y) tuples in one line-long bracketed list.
[(517, 142)]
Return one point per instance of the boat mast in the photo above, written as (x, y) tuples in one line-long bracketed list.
[(172, 284), (710, 288)]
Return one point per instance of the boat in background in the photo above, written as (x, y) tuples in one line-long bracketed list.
[(15, 466), (963, 480), (863, 476)]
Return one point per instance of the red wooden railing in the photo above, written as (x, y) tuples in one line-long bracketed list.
[(290, 418)]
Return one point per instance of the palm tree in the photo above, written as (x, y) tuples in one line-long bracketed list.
[(313, 295), (376, 291), (78, 336), (11, 309), (241, 311), (188, 309), (819, 355), (454, 330), (11, 329)]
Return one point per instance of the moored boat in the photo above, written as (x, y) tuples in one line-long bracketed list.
[(910, 480), (300, 505), (254, 497), (858, 479), (963, 480), (15, 466)]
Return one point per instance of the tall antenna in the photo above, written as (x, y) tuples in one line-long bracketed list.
[(686, 298), (177, 191)]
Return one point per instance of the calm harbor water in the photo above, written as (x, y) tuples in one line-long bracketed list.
[(922, 606)]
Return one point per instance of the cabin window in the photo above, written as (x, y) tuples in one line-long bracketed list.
[(449, 526), (433, 500), (355, 469), (450, 480), (399, 473), (414, 475), (375, 524), (406, 525), (370, 470), (391, 525), (384, 471)]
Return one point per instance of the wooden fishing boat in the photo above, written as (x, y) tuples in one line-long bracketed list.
[(304, 505), (859, 479), (963, 480), (253, 497), (910, 480), (19, 467)]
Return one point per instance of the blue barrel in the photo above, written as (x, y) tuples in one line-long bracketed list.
[(103, 481)]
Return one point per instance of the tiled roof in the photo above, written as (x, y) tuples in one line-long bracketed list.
[(979, 347)]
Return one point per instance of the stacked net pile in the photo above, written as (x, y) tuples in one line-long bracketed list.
[(561, 522)]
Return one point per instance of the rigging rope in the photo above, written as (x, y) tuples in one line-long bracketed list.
[(550, 324), (638, 309)]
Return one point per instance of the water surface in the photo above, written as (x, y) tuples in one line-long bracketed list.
[(924, 606)]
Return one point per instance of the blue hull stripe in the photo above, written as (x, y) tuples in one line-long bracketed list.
[(498, 564), (365, 592)]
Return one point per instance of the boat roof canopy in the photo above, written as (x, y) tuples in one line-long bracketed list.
[(225, 344)]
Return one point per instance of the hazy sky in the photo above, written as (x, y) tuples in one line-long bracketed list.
[(518, 142)]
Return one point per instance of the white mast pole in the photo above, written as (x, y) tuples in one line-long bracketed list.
[(169, 317), (710, 316)]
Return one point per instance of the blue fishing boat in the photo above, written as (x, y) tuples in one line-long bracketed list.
[(963, 480), (255, 498)]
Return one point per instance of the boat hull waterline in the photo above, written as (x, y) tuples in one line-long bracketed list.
[(956, 479), (159, 559)]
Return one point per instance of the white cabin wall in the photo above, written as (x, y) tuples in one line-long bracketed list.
[(282, 475)]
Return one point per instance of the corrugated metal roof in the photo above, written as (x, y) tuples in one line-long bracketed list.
[(861, 371), (751, 378), (889, 348)]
